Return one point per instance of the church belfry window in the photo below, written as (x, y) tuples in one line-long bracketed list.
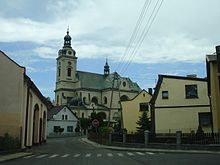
[(57, 99), (69, 72), (89, 96), (59, 71), (105, 100)]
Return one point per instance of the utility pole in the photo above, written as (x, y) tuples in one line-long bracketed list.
[(109, 113)]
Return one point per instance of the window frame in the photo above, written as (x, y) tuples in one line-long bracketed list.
[(165, 97), (189, 94), (142, 105), (69, 72), (205, 116), (70, 128)]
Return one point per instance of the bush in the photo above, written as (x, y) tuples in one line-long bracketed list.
[(8, 142), (105, 130)]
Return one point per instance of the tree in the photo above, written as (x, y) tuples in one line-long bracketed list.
[(143, 123)]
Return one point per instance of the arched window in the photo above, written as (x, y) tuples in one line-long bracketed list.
[(57, 99), (59, 71), (95, 100), (69, 72), (124, 98), (84, 100), (105, 100)]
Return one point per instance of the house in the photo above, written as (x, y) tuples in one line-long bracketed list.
[(213, 73), (86, 92), (23, 109), (132, 109), (180, 104), (61, 121)]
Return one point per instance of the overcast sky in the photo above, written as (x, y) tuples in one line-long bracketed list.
[(182, 34)]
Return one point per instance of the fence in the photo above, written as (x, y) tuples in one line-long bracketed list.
[(204, 138), (147, 138)]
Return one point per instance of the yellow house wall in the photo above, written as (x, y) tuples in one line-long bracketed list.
[(176, 88), (13, 101), (33, 100), (175, 114), (215, 96), (131, 113), (11, 98), (179, 119)]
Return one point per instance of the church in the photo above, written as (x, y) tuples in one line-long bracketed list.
[(87, 92)]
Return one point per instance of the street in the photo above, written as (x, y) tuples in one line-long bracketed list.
[(71, 150)]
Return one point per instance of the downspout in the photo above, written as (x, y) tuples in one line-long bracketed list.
[(210, 104), (26, 118)]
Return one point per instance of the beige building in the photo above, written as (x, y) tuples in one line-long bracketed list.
[(213, 73), (180, 104), (86, 92), (133, 109), (23, 110)]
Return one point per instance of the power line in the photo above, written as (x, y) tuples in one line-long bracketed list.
[(135, 31), (144, 33)]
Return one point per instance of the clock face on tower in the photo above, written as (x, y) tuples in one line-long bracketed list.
[(69, 52)]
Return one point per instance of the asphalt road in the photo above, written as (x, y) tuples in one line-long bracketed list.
[(72, 151)]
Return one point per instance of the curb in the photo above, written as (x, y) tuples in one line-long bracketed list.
[(148, 149), (4, 158)]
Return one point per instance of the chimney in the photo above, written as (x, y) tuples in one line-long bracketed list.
[(150, 91), (218, 56), (192, 76)]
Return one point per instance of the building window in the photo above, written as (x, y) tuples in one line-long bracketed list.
[(95, 100), (124, 98), (105, 100), (89, 96), (57, 99), (62, 117), (82, 115), (84, 100), (191, 91), (143, 107), (124, 84), (205, 119), (59, 72), (69, 72), (165, 94), (66, 117), (69, 128)]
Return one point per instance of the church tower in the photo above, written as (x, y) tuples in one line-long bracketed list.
[(106, 68), (66, 79)]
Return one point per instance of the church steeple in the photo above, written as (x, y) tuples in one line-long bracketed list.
[(67, 40), (106, 68)]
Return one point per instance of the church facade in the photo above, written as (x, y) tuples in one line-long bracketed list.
[(86, 92)]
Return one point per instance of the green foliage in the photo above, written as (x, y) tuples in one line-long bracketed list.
[(143, 123), (8, 142), (105, 130), (117, 126), (101, 115), (85, 123)]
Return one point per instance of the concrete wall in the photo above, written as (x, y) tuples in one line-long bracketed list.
[(131, 111)]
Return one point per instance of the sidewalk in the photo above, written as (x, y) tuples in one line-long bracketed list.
[(4, 158), (149, 149)]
